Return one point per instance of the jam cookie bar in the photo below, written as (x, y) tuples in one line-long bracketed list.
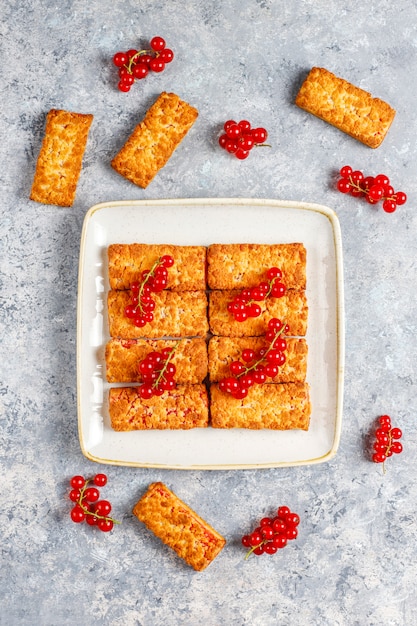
[(59, 162), (242, 266), (124, 355), (348, 108), (282, 406), (176, 314), (178, 526), (128, 261), (291, 309), (154, 140), (222, 351), (183, 408)]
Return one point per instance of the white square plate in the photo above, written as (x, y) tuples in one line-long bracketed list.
[(202, 222)]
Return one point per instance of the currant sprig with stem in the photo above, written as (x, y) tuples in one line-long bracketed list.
[(84, 495)]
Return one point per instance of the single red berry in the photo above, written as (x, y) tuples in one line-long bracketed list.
[(385, 420), (166, 55), (105, 525), (346, 171), (270, 548), (382, 179), (157, 43), (91, 494), (255, 538), (400, 198), (389, 206), (375, 193), (102, 507), (378, 457), (120, 59), (140, 70), (91, 520), (291, 532), (292, 519), (344, 185), (396, 447), (246, 541), (77, 514), (77, 482), (74, 495), (100, 480), (156, 65), (396, 433), (280, 540), (123, 86), (283, 512)]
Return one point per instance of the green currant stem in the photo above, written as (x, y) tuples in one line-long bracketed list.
[(252, 550), (263, 145), (359, 188), (87, 511), (163, 370), (143, 283), (133, 59), (271, 347)]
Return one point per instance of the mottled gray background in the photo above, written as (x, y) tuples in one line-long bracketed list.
[(355, 560)]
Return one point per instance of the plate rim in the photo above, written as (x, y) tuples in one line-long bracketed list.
[(331, 215)]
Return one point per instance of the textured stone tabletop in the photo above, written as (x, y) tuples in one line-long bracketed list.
[(355, 560)]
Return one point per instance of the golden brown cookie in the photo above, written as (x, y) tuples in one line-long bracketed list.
[(348, 108), (59, 163), (178, 526)]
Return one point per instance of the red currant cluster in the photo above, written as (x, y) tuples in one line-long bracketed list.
[(245, 304), (157, 373), (88, 507), (136, 64), (257, 366), (373, 188), (239, 138), (141, 306), (386, 443), (272, 533)]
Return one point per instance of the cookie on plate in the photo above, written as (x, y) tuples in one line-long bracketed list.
[(123, 356), (222, 351), (176, 314), (284, 406), (183, 408), (291, 309), (128, 261), (242, 266)]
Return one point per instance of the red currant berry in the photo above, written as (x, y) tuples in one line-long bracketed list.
[(100, 480), (236, 368), (231, 146), (279, 525), (166, 55), (292, 519), (385, 420), (105, 525), (267, 532), (102, 507), (375, 193), (140, 70), (283, 512), (91, 520), (156, 65), (270, 548), (91, 494), (280, 541), (241, 154), (258, 550), (223, 139), (246, 541), (400, 198), (255, 538), (248, 354), (77, 482), (120, 59), (244, 126), (259, 135), (346, 171), (378, 457), (74, 495), (389, 206), (122, 86), (382, 180), (396, 433), (77, 514), (344, 185), (396, 447), (157, 44), (145, 391), (291, 532)]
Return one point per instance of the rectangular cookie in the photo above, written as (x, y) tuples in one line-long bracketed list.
[(241, 266), (291, 309), (59, 163), (176, 314), (154, 140), (178, 526), (183, 408), (124, 355), (223, 350), (348, 108), (128, 261), (285, 406)]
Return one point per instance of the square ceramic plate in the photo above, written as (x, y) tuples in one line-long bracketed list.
[(202, 222)]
